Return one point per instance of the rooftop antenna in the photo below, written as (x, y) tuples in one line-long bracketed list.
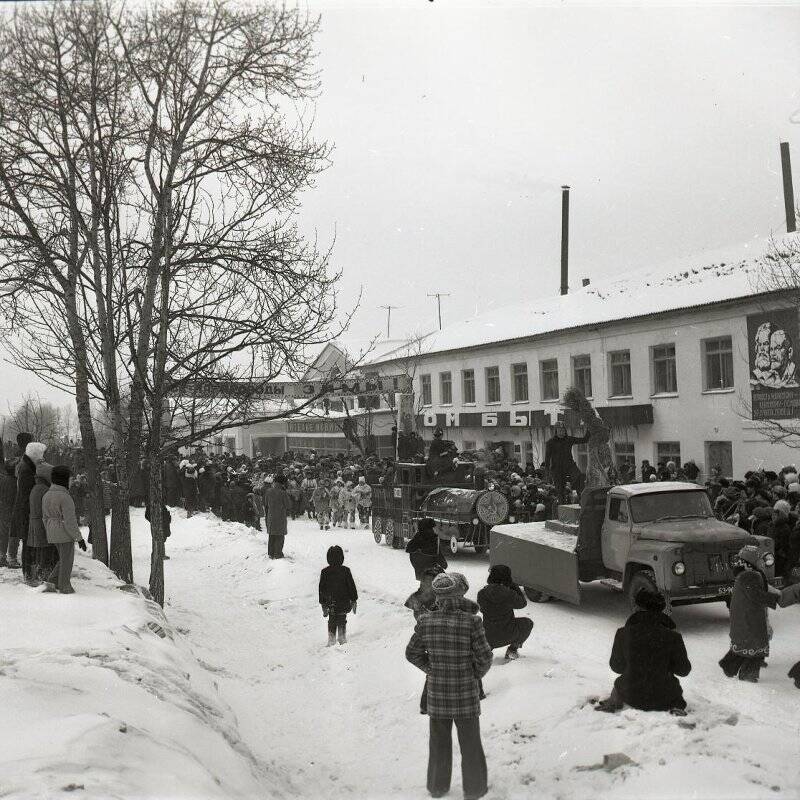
[(389, 318), (439, 296)]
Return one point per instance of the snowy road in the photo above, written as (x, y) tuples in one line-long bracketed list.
[(344, 722)]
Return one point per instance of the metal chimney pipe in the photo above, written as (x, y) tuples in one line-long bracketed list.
[(564, 239), (788, 190)]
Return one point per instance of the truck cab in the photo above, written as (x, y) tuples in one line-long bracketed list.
[(660, 535)]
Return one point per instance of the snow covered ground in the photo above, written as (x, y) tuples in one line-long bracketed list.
[(272, 712)]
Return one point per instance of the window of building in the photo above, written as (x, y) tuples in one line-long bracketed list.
[(369, 401), (230, 444), (492, 384), (549, 377), (718, 363), (620, 369), (665, 377), (582, 374), (468, 445), (668, 451), (427, 394), (519, 382), (624, 453), (446, 388), (468, 385)]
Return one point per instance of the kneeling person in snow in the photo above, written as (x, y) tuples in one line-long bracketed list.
[(648, 653), (61, 525), (337, 594), (497, 601)]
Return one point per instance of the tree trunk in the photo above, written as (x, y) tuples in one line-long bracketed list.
[(97, 519), (121, 561), (156, 494)]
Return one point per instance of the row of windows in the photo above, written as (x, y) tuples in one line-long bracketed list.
[(717, 374)]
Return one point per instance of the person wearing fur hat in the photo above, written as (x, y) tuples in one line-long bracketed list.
[(781, 531), (277, 510), (749, 633), (449, 645), (26, 480), (338, 595), (497, 601), (648, 655), (363, 493), (45, 556), (61, 524)]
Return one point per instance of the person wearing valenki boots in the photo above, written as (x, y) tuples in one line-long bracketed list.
[(337, 595), (497, 601), (751, 597), (648, 654)]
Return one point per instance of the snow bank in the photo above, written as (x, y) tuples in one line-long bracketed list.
[(100, 696), (344, 722)]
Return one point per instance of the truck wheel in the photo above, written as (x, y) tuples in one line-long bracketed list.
[(480, 549), (388, 532), (535, 596), (377, 529), (453, 545), (644, 579)]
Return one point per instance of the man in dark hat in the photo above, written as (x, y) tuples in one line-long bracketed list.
[(648, 654), (497, 601), (559, 462), (441, 454)]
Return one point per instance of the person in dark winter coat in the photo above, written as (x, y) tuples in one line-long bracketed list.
[(26, 480), (423, 548), (648, 654), (337, 595), (45, 556), (278, 505), (497, 601), (558, 459), (791, 596), (751, 597), (9, 545), (166, 519), (189, 487), (172, 483), (449, 645)]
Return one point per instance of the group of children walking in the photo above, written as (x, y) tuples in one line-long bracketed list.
[(337, 503)]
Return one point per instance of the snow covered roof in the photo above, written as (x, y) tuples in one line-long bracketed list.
[(707, 278)]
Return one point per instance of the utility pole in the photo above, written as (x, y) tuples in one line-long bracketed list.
[(439, 296), (389, 319), (788, 190)]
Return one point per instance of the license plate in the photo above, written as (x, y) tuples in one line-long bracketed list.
[(716, 565)]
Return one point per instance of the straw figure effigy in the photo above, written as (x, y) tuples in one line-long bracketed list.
[(600, 460)]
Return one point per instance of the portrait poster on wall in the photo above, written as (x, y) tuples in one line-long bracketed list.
[(775, 389)]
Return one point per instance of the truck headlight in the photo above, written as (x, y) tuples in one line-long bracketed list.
[(769, 559), (679, 568)]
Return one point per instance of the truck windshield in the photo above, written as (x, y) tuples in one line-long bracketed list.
[(670, 505)]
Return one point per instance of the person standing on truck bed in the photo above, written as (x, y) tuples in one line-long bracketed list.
[(558, 459), (497, 601)]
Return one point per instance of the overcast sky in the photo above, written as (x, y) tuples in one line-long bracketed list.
[(454, 128)]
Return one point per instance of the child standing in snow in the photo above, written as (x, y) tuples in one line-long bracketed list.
[(337, 595)]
